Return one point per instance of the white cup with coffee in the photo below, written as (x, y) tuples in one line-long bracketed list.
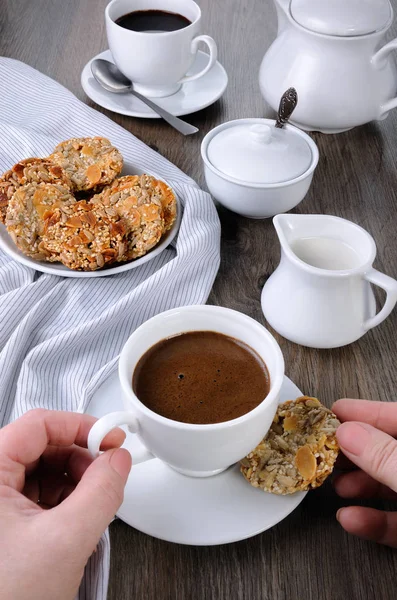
[(197, 449), (154, 43)]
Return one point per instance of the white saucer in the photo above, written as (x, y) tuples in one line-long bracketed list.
[(11, 249), (192, 96), (185, 510)]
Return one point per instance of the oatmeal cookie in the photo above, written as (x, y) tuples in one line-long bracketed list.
[(137, 200), (29, 170), (299, 451), (86, 239), (29, 208), (90, 163)]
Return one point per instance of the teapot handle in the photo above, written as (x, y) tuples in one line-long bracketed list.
[(390, 286), (379, 60)]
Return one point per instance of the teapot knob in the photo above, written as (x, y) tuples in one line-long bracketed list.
[(288, 103)]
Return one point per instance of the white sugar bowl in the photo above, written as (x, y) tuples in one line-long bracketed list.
[(257, 170)]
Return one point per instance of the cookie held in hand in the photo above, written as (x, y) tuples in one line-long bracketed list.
[(298, 452)]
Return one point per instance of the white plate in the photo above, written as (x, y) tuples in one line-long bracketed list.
[(185, 510), (192, 96), (8, 246)]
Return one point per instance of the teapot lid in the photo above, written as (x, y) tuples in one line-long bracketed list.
[(259, 153), (342, 17)]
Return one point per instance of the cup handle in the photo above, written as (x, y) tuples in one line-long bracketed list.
[(390, 286), (105, 424), (213, 56)]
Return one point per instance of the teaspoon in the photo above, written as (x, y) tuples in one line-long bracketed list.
[(112, 80)]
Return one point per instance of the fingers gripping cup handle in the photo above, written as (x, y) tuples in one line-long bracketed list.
[(212, 60), (103, 426)]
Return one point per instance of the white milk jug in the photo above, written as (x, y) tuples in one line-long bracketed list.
[(320, 294)]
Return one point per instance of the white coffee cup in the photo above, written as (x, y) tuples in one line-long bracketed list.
[(195, 450), (157, 62)]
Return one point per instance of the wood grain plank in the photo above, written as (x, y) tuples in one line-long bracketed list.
[(307, 556)]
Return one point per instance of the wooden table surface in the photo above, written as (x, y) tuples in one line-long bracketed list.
[(308, 556)]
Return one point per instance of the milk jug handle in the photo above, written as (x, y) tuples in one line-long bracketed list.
[(379, 61), (390, 286)]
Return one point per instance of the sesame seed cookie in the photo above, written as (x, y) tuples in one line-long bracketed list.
[(86, 239), (29, 208), (90, 163), (29, 170), (299, 451), (137, 199)]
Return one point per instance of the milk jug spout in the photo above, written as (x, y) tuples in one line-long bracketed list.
[(286, 226)]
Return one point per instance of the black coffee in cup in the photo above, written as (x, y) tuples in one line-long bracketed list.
[(153, 21)]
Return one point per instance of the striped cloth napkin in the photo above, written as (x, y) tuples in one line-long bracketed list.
[(60, 337)]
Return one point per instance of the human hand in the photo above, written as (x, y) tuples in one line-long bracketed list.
[(55, 502), (366, 438)]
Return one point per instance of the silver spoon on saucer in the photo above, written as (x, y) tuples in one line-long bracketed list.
[(112, 80)]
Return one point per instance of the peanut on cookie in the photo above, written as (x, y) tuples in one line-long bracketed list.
[(299, 451)]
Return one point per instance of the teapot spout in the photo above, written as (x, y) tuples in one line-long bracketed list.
[(282, 8)]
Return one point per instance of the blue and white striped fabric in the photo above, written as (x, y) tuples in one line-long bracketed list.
[(60, 337)]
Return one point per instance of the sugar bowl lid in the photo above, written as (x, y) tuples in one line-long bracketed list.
[(254, 151), (342, 17)]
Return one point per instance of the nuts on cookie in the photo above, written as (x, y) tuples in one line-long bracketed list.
[(29, 208), (85, 239), (147, 206), (29, 170), (90, 163), (299, 451)]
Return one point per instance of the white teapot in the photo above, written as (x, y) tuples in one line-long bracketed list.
[(331, 52), (320, 294)]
